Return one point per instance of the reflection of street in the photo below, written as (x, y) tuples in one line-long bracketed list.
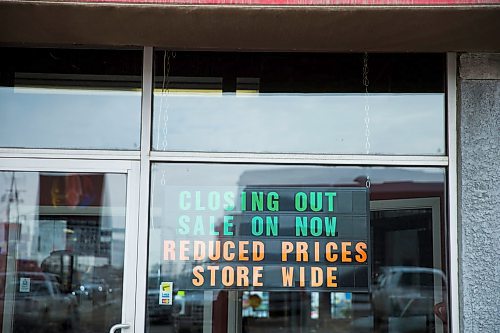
[(162, 329), (41, 305), (359, 325), (37, 298), (93, 317)]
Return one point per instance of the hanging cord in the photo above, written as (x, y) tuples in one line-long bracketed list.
[(163, 115), (161, 120), (366, 83), (164, 106)]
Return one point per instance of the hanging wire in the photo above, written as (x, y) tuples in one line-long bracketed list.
[(161, 120), (163, 115), (164, 105), (162, 97)]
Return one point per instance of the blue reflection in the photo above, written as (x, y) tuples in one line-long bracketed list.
[(405, 124), (69, 118)]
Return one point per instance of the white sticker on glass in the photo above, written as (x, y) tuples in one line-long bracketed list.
[(166, 293), (24, 285)]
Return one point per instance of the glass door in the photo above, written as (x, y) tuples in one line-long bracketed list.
[(68, 245)]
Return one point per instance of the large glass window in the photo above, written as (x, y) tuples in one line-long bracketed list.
[(240, 239), (265, 248), (299, 103), (77, 99)]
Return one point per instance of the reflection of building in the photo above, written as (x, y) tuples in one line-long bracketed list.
[(70, 218)]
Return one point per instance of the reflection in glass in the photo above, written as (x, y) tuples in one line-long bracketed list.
[(73, 99), (61, 251), (299, 103), (78, 118), (299, 123), (408, 271)]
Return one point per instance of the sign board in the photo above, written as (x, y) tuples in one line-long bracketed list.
[(269, 238)]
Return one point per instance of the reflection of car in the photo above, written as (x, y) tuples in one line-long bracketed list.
[(407, 291), (155, 311), (188, 311), (95, 289), (39, 302)]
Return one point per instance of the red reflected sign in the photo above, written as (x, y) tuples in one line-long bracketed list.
[(71, 190), (310, 2)]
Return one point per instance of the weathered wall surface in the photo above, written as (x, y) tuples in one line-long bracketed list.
[(479, 192)]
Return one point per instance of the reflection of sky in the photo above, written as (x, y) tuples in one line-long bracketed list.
[(404, 124), (69, 118)]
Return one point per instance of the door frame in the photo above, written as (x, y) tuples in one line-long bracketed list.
[(432, 203), (132, 170)]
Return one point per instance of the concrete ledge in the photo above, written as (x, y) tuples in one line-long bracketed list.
[(483, 66)]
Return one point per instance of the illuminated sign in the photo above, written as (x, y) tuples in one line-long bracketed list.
[(269, 238)]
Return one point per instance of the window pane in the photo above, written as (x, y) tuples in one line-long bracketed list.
[(76, 99), (299, 103), (196, 206), (62, 242)]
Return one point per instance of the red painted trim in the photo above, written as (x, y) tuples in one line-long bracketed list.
[(307, 2)]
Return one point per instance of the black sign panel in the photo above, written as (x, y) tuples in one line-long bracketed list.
[(269, 238)]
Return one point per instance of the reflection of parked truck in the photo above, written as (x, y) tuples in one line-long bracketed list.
[(38, 302), (98, 284), (407, 291), (94, 289)]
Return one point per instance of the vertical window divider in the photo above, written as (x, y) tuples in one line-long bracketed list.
[(142, 248), (454, 309)]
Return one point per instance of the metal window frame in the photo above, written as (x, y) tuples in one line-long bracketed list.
[(434, 204), (320, 159), (145, 157), (143, 241), (69, 153)]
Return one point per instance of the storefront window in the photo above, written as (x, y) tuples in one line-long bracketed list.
[(76, 99), (299, 103), (256, 224), (264, 248)]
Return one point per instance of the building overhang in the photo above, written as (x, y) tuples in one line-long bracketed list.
[(252, 27)]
